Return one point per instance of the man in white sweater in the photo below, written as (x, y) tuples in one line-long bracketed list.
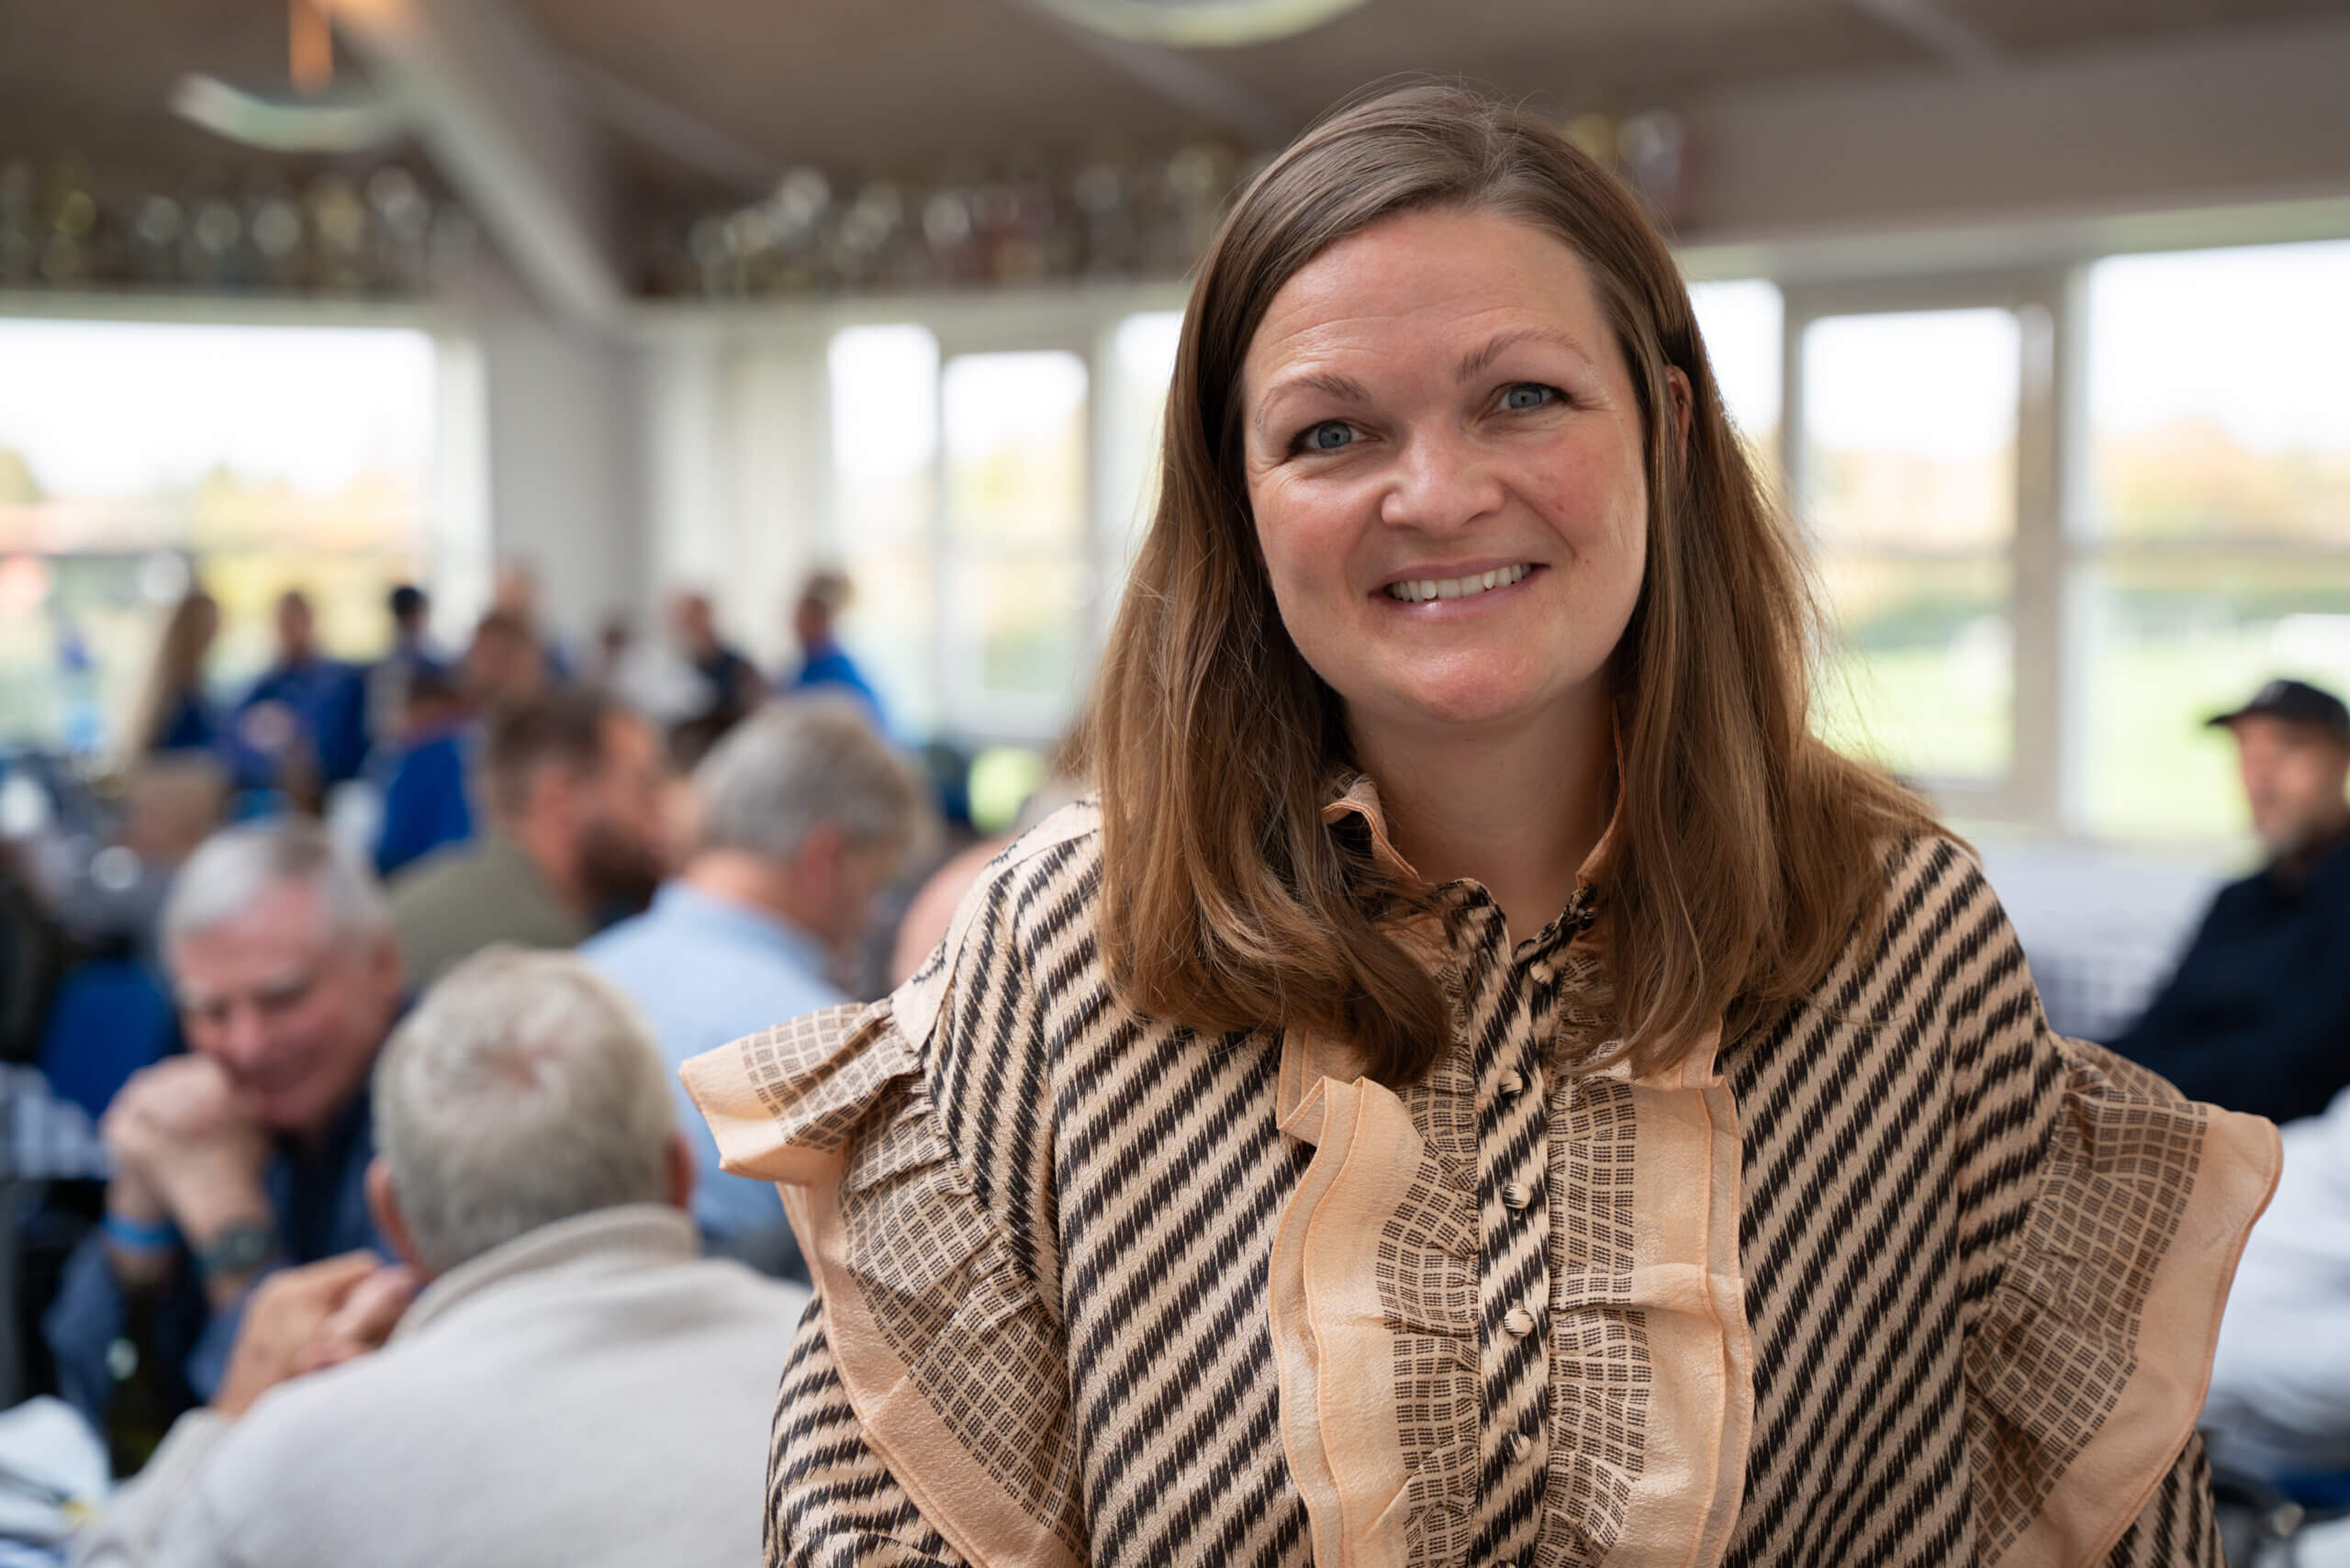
[(571, 1383)]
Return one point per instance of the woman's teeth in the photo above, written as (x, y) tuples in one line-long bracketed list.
[(1425, 588)]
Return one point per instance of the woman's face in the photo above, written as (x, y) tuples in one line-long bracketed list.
[(1443, 453)]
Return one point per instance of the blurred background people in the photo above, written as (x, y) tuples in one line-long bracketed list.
[(169, 805), (34, 957), (815, 626), (803, 813), (731, 683), (572, 788), (514, 594), (2258, 1015), (247, 1154), (573, 1384), (615, 635), (930, 907), (428, 798), (409, 609), (305, 719), (175, 711), (2280, 1405), (504, 664)]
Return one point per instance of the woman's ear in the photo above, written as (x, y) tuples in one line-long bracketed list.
[(1683, 404)]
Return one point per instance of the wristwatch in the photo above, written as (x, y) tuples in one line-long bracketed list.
[(240, 1249)]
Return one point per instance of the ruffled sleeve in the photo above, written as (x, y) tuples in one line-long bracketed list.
[(2089, 1344), (930, 1326)]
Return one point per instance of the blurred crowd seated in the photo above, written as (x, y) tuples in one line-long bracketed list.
[(206, 946), (291, 1079)]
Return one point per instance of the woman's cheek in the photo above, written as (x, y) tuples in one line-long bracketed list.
[(1300, 522)]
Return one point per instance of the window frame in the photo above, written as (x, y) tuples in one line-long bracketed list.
[(2031, 792)]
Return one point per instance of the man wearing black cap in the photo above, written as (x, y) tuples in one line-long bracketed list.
[(2257, 1018)]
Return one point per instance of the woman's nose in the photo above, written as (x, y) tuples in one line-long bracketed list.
[(1441, 483)]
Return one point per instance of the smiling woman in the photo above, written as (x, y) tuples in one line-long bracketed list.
[(1481, 1085)]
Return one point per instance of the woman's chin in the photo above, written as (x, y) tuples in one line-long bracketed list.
[(1464, 707)]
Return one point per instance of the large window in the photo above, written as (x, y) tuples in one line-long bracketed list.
[(885, 467), (1018, 565), (1908, 494), (2065, 515), (1142, 356), (2211, 534), (987, 504), (136, 459), (1742, 324)]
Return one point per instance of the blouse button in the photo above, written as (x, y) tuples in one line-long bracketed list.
[(1511, 1084), (1517, 1445), (1517, 1195), (1519, 1322)]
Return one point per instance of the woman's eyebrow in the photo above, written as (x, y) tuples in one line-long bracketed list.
[(1479, 359), (1344, 389)]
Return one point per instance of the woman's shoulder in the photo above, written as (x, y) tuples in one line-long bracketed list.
[(1026, 923), (1936, 914), (1930, 965)]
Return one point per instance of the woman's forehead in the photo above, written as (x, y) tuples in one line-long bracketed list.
[(1436, 281)]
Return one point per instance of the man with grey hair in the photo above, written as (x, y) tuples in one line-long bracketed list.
[(247, 1153), (803, 813), (573, 1383)]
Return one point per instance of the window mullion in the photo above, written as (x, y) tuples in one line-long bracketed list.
[(2036, 778)]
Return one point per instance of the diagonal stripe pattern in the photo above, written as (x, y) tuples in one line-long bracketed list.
[(1130, 1177)]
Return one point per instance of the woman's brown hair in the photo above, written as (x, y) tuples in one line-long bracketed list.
[(177, 673), (1745, 851)]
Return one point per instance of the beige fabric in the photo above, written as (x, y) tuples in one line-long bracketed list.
[(1373, 1313), (1338, 1345), (1824, 1298), (592, 1394), (2113, 1299), (935, 1341)]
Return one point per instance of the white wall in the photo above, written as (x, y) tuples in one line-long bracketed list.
[(567, 488)]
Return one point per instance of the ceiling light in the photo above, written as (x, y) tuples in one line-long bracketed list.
[(1199, 24)]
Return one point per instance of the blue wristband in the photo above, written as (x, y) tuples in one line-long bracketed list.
[(133, 1236)]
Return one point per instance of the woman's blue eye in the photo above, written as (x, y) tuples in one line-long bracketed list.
[(1528, 395), (1330, 435)]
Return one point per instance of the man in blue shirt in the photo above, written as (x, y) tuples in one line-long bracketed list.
[(428, 801), (823, 663), (411, 655), (307, 712), (803, 813), (250, 1152)]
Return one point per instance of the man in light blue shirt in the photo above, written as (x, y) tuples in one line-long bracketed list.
[(804, 812)]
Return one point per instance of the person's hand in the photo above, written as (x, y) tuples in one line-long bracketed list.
[(306, 1319), (185, 1141), (131, 1131), (362, 1322)]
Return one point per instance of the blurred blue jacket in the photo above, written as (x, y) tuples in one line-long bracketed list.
[(425, 802), (830, 666), (329, 701)]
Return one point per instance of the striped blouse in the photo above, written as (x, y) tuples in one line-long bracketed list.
[(1903, 1280)]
